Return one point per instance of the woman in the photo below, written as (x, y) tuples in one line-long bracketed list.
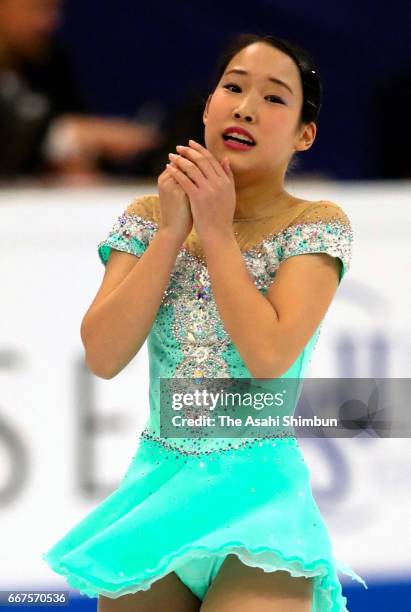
[(218, 524)]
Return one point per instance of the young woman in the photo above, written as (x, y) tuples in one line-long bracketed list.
[(228, 276)]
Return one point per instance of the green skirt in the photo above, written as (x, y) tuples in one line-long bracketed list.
[(186, 512)]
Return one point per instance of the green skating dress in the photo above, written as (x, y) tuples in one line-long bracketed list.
[(184, 504)]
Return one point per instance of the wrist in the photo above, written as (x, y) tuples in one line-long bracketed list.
[(170, 236), (216, 236)]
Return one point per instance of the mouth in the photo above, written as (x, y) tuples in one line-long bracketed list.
[(237, 137)]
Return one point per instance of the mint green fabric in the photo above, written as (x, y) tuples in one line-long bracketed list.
[(184, 504)]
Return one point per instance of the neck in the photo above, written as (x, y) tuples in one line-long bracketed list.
[(260, 199)]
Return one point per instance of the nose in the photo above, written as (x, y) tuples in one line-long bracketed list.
[(247, 117)]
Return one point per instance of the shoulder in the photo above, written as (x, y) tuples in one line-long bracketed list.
[(133, 229), (320, 227), (146, 206), (323, 211)]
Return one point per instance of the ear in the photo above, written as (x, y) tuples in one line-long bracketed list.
[(306, 137), (205, 112)]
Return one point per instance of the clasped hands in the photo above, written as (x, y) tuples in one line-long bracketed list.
[(209, 185)]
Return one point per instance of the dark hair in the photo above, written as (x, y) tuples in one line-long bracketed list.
[(311, 83)]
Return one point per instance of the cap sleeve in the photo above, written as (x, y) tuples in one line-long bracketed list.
[(133, 229), (322, 228)]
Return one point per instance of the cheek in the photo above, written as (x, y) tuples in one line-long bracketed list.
[(214, 126), (220, 107), (278, 130), (216, 118), (278, 119)]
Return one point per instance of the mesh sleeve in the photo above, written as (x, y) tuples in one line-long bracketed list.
[(323, 228), (133, 230)]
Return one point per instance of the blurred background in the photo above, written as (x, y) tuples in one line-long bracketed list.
[(93, 97)]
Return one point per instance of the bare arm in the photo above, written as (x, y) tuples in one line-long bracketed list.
[(270, 331), (120, 318), (118, 321)]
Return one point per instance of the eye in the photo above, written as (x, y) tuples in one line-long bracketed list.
[(230, 85), (277, 99), (274, 99)]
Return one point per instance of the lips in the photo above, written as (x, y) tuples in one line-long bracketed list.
[(241, 132)]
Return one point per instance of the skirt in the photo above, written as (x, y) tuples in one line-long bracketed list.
[(186, 512)]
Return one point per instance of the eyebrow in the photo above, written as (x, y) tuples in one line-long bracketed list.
[(269, 78)]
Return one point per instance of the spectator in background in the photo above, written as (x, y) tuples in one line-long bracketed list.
[(44, 124)]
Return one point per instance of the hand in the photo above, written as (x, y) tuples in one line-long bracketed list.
[(175, 213), (87, 137), (209, 185), (120, 139)]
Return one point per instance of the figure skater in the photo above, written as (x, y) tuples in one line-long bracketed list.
[(227, 275)]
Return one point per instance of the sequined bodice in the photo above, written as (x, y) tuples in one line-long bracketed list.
[(188, 338)]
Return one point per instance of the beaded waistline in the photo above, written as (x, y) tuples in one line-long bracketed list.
[(230, 446)]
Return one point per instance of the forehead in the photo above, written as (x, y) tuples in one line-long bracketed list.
[(263, 60)]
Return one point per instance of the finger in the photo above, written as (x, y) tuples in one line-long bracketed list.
[(195, 146), (187, 185), (199, 159), (224, 165), (166, 178), (188, 168), (227, 168), (171, 179)]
